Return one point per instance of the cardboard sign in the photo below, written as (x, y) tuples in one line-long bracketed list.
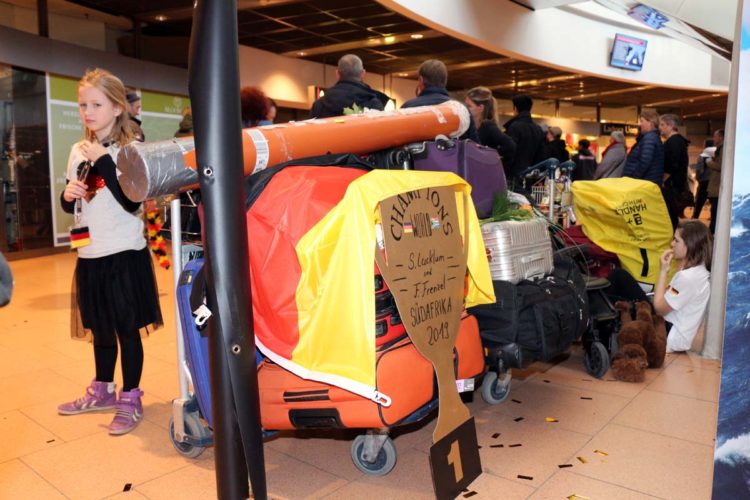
[(422, 257), (454, 461)]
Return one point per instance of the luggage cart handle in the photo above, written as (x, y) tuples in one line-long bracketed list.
[(547, 166)]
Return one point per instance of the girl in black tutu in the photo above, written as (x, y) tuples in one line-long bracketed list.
[(115, 296)]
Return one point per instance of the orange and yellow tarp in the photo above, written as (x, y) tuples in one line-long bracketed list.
[(312, 251)]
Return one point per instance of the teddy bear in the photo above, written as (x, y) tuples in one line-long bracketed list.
[(642, 342)]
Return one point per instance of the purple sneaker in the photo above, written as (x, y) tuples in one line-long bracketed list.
[(129, 412), (100, 396)]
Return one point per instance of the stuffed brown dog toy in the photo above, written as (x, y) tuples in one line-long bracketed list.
[(642, 342)]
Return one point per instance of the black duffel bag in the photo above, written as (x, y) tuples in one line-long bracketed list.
[(543, 316)]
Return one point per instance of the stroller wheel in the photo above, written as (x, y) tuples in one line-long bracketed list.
[(384, 462), (496, 389), (596, 360)]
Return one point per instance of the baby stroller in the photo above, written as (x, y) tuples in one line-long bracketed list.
[(551, 182)]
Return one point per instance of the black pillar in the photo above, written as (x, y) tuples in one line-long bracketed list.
[(215, 95)]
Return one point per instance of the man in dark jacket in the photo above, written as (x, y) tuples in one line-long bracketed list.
[(528, 136), (676, 192), (348, 91), (431, 89), (585, 162)]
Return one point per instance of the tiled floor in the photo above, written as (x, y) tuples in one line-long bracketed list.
[(623, 441)]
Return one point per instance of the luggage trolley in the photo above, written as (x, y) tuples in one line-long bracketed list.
[(373, 452), (550, 189)]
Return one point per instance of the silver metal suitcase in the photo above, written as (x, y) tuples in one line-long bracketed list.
[(518, 250)]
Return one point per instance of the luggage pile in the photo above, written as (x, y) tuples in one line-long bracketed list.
[(316, 351)]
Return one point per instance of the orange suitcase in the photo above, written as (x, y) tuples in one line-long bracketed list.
[(290, 402)]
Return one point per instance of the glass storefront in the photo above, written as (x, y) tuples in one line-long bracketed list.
[(24, 162)]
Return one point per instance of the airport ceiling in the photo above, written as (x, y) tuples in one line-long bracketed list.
[(391, 44)]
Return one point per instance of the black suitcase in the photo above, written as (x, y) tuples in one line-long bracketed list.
[(543, 317)]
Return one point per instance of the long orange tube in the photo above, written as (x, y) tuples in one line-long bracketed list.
[(149, 170)]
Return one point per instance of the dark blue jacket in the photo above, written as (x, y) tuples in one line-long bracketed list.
[(646, 159), (438, 95)]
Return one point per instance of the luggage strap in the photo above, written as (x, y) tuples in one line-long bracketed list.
[(198, 299)]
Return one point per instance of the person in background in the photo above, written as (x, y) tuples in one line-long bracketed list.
[(350, 89), (646, 158), (714, 164), (134, 111), (556, 145), (6, 281), (585, 162), (613, 157), (254, 106), (676, 193), (703, 175), (431, 89), (114, 286), (483, 109), (527, 135), (271, 115), (186, 124)]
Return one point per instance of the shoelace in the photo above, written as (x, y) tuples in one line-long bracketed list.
[(88, 397)]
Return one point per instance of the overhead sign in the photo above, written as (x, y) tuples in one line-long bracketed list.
[(625, 128)]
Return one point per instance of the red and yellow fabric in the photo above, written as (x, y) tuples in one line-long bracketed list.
[(627, 217), (312, 251)]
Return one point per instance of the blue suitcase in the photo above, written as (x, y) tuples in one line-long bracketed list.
[(196, 341)]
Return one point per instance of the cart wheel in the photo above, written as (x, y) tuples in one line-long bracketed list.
[(386, 457), (496, 389), (596, 360), (193, 427)]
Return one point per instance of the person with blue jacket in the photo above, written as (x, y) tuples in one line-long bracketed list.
[(646, 159)]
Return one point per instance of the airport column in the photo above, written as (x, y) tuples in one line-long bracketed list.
[(215, 95)]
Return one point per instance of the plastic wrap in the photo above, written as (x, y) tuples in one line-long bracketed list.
[(149, 170)]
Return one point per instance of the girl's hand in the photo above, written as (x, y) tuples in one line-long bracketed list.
[(92, 150), (666, 259), (74, 190)]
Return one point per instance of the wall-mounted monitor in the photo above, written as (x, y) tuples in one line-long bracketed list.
[(628, 52)]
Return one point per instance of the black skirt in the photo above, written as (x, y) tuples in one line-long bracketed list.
[(115, 295)]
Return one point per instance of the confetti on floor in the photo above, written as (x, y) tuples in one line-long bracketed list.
[(127, 487), (602, 453), (513, 445), (470, 494), (497, 446), (495, 435), (578, 497), (587, 398), (518, 419), (582, 460), (528, 478), (51, 441), (516, 401), (546, 381), (564, 466), (550, 419)]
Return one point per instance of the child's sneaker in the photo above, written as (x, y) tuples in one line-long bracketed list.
[(128, 413), (100, 396)]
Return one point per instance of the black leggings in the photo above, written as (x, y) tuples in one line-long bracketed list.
[(105, 359)]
